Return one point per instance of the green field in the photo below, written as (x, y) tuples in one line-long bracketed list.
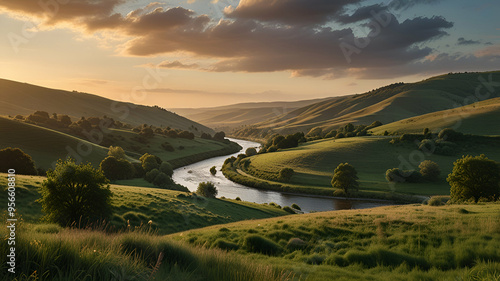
[(314, 163), (170, 211), (46, 146)]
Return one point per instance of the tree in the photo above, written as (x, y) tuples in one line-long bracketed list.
[(65, 120), (219, 136), (251, 151), (286, 174), (149, 162), (15, 158), (166, 168), (151, 175), (450, 135), (429, 170), (474, 177), (116, 152), (207, 189), (147, 132), (117, 169), (213, 170), (162, 180), (75, 194), (345, 177)]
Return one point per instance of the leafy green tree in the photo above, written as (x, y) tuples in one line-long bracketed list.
[(286, 174), (207, 189), (474, 177), (117, 169), (251, 151), (213, 170), (151, 175), (15, 158), (166, 168), (149, 162), (429, 170), (345, 177), (76, 194), (116, 152), (162, 180)]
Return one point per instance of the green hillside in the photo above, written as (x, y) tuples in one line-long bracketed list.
[(314, 163), (21, 98), (230, 117), (387, 104), (46, 146), (480, 118)]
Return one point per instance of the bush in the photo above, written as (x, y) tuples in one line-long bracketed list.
[(207, 189), (166, 168), (474, 177), (258, 244), (116, 152), (345, 177), (450, 135), (225, 245), (213, 170), (251, 151), (168, 147), (75, 194), (139, 171), (147, 132), (219, 136), (162, 180), (117, 169), (435, 201), (272, 148), (398, 175), (296, 207), (149, 162), (288, 210), (429, 170), (296, 244), (15, 158), (151, 175), (286, 174)]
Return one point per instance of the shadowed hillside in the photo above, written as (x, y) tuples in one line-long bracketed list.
[(387, 104), (21, 98)]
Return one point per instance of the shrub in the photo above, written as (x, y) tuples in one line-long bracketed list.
[(398, 175), (296, 207), (296, 244), (149, 162), (186, 135), (117, 169), (238, 199), (207, 189), (213, 170), (168, 147), (225, 245), (435, 201), (286, 174), (166, 168), (138, 170), (258, 244), (162, 180), (450, 135), (15, 158), (147, 132), (116, 152), (345, 177), (272, 148), (251, 151), (474, 177), (429, 170), (288, 210), (75, 194), (219, 136), (427, 146), (151, 175)]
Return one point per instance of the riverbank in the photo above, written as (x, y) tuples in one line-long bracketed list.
[(187, 160), (234, 172)]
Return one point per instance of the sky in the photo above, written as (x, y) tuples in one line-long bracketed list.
[(204, 53)]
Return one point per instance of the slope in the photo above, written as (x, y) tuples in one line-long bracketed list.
[(387, 104), (21, 98)]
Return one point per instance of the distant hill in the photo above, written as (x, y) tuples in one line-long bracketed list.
[(21, 98), (480, 118), (387, 104), (230, 117)]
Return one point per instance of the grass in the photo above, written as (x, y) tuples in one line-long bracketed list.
[(170, 211), (46, 146), (413, 242), (314, 163)]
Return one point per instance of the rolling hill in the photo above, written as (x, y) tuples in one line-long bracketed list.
[(233, 116), (21, 98), (387, 104)]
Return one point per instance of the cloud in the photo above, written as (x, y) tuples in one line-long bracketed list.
[(406, 4), (463, 41), (178, 65)]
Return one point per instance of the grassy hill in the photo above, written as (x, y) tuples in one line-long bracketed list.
[(21, 98), (314, 163), (387, 104), (46, 146), (170, 211), (233, 116), (480, 118)]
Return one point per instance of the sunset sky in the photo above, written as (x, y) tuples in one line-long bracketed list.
[(200, 53)]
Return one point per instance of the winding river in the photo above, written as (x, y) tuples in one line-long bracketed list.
[(191, 175)]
